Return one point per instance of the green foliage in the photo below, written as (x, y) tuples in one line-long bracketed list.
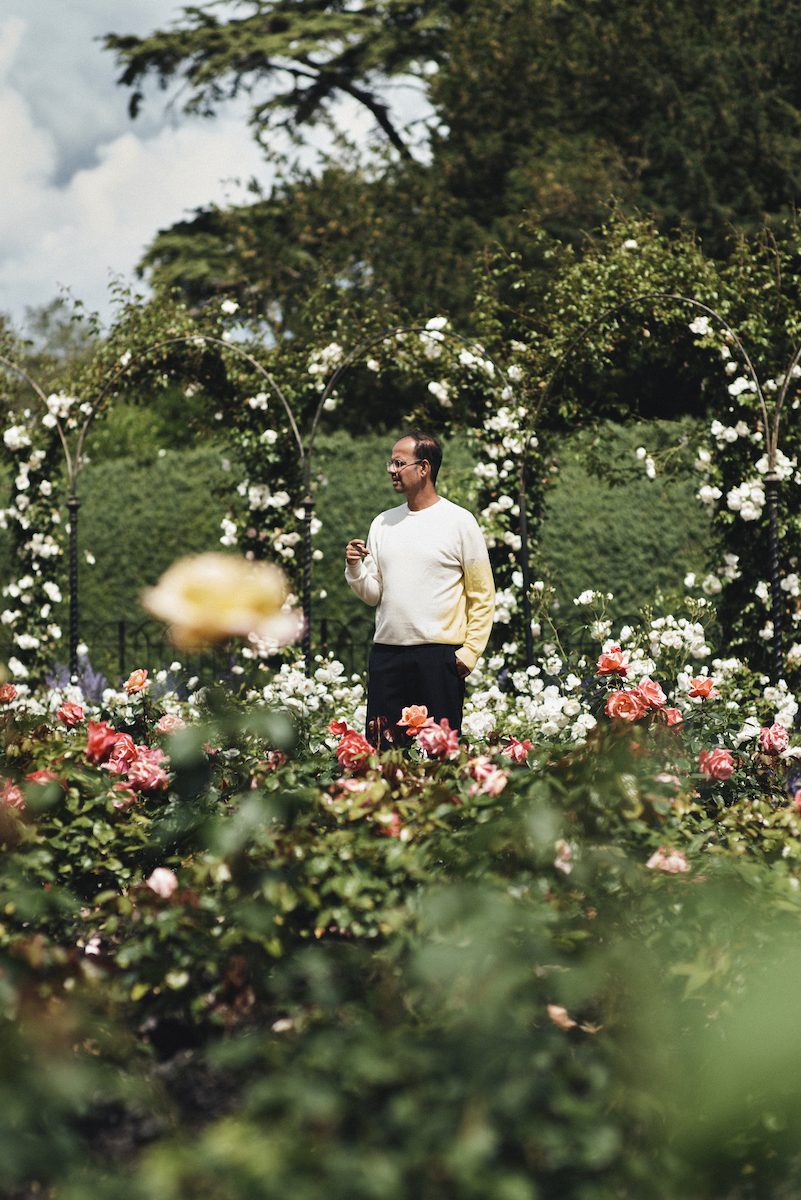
[(137, 518), (380, 1004), (626, 534), (689, 116)]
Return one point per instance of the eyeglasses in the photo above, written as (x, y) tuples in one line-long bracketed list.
[(396, 464)]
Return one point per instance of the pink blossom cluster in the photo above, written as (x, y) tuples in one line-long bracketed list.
[(631, 704), (142, 766), (439, 740), (667, 859), (518, 751), (489, 779)]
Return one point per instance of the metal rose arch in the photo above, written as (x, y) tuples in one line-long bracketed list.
[(74, 458), (772, 479)]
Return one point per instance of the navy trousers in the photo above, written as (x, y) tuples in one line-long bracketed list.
[(400, 676)]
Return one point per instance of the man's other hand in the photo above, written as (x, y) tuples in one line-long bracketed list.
[(462, 668), (355, 551)]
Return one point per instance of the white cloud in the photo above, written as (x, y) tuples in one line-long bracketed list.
[(84, 189), (102, 218)]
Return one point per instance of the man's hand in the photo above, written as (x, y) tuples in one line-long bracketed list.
[(355, 551), (462, 668)]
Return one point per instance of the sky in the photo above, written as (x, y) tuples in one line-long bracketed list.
[(83, 188)]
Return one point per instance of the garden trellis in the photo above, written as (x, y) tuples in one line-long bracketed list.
[(772, 478), (74, 459)]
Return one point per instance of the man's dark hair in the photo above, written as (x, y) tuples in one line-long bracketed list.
[(427, 447)]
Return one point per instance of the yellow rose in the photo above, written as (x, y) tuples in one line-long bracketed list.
[(213, 597)]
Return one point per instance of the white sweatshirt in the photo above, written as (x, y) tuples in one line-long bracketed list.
[(429, 573)]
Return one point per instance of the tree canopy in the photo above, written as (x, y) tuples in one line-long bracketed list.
[(689, 112)]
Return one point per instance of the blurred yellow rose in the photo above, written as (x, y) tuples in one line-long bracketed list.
[(212, 597)]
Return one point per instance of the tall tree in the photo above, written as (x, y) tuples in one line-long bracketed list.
[(688, 110)]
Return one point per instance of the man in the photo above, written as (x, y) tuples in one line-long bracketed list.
[(425, 566)]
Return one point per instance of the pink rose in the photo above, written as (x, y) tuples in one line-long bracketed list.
[(100, 741), (628, 705), (392, 827), (673, 715), (163, 882), (564, 856), (775, 739), (481, 767), (703, 686), (717, 763), (125, 797), (44, 775), (493, 786), (652, 693), (439, 740), (136, 681), (11, 796), (666, 859), (7, 693), (490, 780), (518, 751), (169, 724), (146, 773), (613, 661)]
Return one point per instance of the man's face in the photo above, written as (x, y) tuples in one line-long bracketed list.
[(408, 478)]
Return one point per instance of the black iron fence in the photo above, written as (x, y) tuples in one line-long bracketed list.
[(115, 648)]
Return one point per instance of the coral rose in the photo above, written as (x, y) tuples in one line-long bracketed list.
[(123, 754), (704, 686), (136, 681), (415, 717), (70, 713), (213, 597), (613, 662), (353, 751), (628, 705), (666, 859), (652, 693), (338, 727), (774, 739), (100, 741), (163, 882), (673, 715), (439, 740), (7, 693), (518, 751), (717, 763), (169, 723)]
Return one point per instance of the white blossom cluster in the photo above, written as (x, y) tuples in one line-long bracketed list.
[(328, 695), (671, 633), (535, 709), (748, 500), (323, 362)]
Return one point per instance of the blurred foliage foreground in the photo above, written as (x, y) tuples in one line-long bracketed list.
[(243, 971)]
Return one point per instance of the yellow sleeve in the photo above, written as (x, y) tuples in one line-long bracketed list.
[(479, 589)]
